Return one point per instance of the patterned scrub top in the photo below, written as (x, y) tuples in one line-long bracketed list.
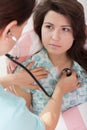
[(39, 99)]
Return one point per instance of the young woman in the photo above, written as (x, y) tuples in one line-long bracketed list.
[(60, 26), (13, 112)]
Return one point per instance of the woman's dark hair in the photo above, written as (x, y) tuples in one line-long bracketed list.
[(19, 10), (74, 11)]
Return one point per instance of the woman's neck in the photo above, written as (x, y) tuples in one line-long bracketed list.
[(61, 61)]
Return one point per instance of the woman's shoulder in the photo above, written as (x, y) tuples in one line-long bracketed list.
[(80, 70), (39, 58), (77, 67)]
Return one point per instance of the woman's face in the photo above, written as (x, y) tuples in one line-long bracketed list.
[(56, 33), (7, 43)]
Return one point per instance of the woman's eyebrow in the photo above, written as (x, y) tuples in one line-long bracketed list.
[(66, 26), (48, 23)]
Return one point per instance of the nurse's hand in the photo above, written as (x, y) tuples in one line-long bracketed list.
[(23, 79)]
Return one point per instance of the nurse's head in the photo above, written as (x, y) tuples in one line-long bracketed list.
[(13, 16)]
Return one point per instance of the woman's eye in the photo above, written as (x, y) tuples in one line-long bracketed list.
[(49, 27), (66, 29)]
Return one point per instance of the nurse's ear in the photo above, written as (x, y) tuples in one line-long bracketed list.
[(8, 29)]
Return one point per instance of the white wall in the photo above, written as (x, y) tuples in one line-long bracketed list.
[(84, 3)]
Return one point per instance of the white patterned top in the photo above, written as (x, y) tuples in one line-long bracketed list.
[(39, 99)]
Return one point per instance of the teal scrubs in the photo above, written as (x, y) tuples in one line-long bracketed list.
[(14, 114)]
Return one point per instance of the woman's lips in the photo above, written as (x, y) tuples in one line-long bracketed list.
[(54, 46)]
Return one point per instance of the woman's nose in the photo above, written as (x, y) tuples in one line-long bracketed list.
[(56, 35)]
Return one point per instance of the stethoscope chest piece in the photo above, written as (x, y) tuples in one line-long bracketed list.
[(68, 71)]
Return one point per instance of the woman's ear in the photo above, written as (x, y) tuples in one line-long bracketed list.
[(8, 28)]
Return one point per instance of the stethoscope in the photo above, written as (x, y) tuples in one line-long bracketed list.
[(15, 58)]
